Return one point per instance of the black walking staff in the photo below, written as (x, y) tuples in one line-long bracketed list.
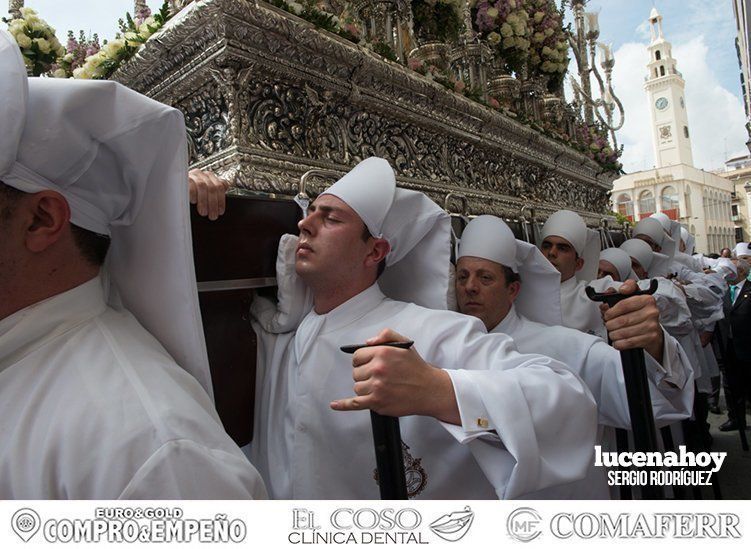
[(387, 441), (637, 389)]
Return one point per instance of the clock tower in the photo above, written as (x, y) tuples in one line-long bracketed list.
[(665, 90)]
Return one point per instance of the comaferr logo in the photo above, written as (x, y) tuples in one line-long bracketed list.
[(641, 525), (524, 524)]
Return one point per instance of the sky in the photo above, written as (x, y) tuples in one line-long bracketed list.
[(702, 33)]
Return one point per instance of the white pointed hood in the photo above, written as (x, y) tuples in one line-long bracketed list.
[(488, 237), (569, 225), (621, 261), (120, 160)]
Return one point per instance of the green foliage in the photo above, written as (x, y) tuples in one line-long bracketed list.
[(384, 50)]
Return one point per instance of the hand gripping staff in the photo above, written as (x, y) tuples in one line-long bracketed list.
[(387, 441), (637, 388)]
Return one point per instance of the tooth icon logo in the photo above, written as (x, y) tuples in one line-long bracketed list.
[(454, 526), (25, 523)]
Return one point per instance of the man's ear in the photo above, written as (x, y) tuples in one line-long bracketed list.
[(381, 249), (579, 263), (48, 218), (513, 290)]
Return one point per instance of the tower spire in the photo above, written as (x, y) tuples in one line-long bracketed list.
[(665, 86), (655, 22)]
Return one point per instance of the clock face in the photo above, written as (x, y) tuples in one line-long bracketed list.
[(662, 103)]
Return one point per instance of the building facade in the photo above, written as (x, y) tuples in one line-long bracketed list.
[(738, 172), (741, 9), (701, 201)]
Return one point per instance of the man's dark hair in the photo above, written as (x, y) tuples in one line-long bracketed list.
[(10, 198), (382, 265), (510, 275), (93, 246), (715, 256)]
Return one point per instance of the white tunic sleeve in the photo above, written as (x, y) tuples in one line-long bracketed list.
[(675, 315), (671, 394), (184, 469), (543, 415)]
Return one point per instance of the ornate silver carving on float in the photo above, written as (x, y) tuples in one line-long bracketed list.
[(267, 97), (14, 8)]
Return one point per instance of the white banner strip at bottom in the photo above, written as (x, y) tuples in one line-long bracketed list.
[(273, 524)]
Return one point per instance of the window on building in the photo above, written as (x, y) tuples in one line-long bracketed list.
[(669, 202), (685, 131), (656, 75), (625, 206), (662, 70), (657, 55), (734, 210), (739, 234), (646, 204)]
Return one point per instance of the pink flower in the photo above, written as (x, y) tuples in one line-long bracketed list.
[(415, 64)]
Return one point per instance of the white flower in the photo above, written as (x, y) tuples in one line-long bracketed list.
[(60, 73), (295, 7), (23, 41), (539, 16), (506, 30), (144, 29), (113, 47), (32, 20), (81, 72), (494, 38), (17, 25), (26, 12), (493, 13), (93, 61)]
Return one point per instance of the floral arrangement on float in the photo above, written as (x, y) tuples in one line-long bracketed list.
[(134, 31), (83, 57), (504, 24), (595, 144), (77, 50), (36, 38), (548, 52)]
